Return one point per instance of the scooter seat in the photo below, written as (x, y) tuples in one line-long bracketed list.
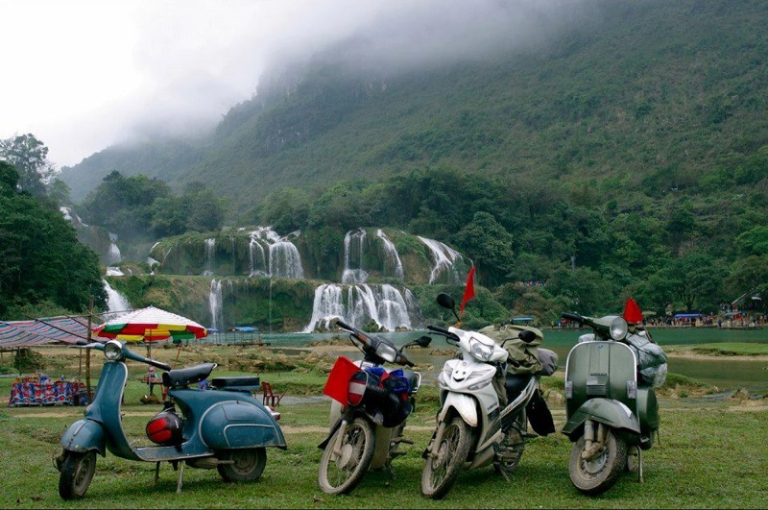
[(240, 383), (183, 377)]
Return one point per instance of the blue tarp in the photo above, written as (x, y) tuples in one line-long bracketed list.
[(522, 319), (687, 315), (246, 329)]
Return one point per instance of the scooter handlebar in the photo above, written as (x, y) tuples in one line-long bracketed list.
[(572, 317)]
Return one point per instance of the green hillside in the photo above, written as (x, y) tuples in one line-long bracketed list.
[(626, 153), (655, 94)]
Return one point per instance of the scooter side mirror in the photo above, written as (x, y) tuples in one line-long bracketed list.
[(446, 301), (424, 341), (527, 336)]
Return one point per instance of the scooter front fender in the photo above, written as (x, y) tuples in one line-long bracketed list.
[(464, 405), (84, 436), (613, 413)]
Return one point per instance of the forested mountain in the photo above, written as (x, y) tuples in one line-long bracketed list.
[(622, 148), (653, 94)]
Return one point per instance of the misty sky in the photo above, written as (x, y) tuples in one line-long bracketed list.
[(85, 74)]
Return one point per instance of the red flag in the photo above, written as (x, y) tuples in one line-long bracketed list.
[(632, 313), (469, 291), (337, 384)]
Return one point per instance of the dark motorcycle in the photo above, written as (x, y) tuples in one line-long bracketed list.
[(368, 412)]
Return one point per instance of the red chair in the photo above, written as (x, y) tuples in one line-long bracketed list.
[(270, 398)]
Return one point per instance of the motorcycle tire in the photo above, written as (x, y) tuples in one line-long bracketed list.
[(247, 465), (510, 451), (340, 474), (77, 471), (597, 475), (441, 472)]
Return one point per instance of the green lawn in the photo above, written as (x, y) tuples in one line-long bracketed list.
[(709, 455)]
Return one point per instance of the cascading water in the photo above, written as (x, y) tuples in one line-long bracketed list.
[(114, 256), (210, 256), (282, 260), (445, 260), (392, 259), (360, 304), (285, 261), (116, 302), (216, 305), (353, 256), (257, 257)]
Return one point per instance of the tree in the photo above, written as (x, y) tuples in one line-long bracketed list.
[(41, 260), (30, 157)]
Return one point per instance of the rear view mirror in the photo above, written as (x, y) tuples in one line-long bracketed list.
[(527, 336), (446, 301)]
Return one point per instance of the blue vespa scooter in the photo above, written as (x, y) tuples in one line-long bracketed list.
[(223, 428)]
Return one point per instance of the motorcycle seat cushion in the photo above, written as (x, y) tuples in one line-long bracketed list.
[(185, 376), (249, 382)]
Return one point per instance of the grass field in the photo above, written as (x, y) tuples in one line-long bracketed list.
[(711, 455)]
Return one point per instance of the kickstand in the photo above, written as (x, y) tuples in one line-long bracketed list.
[(181, 473), (157, 472), (640, 465)]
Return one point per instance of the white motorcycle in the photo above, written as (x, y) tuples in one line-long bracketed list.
[(472, 425)]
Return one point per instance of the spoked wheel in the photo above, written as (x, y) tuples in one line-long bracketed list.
[(340, 473), (246, 466), (441, 471), (599, 473), (77, 471), (510, 451)]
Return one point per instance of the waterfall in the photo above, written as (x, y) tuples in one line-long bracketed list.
[(210, 256), (445, 260), (353, 250), (113, 256), (391, 258), (257, 257), (216, 303), (283, 259), (359, 305), (116, 302)]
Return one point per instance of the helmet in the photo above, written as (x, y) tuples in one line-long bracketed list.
[(165, 428)]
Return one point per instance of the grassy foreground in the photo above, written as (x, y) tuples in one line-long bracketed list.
[(710, 455)]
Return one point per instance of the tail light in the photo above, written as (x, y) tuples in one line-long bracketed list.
[(356, 390)]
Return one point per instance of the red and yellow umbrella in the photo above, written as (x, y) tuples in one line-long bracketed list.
[(150, 324)]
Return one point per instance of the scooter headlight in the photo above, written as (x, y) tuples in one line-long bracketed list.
[(113, 350), (619, 328), (479, 350)]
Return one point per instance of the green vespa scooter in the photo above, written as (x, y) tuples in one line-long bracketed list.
[(611, 407), (223, 428)]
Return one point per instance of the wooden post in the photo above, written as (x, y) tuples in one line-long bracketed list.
[(88, 398)]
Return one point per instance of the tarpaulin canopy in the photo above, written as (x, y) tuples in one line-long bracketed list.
[(28, 333), (687, 315)]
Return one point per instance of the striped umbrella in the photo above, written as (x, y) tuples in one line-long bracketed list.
[(150, 324)]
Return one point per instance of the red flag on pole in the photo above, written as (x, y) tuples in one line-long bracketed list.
[(469, 291), (632, 313)]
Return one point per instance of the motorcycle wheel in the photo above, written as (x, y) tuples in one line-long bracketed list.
[(247, 465), (510, 451), (595, 476), (77, 471), (339, 474), (441, 472)]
